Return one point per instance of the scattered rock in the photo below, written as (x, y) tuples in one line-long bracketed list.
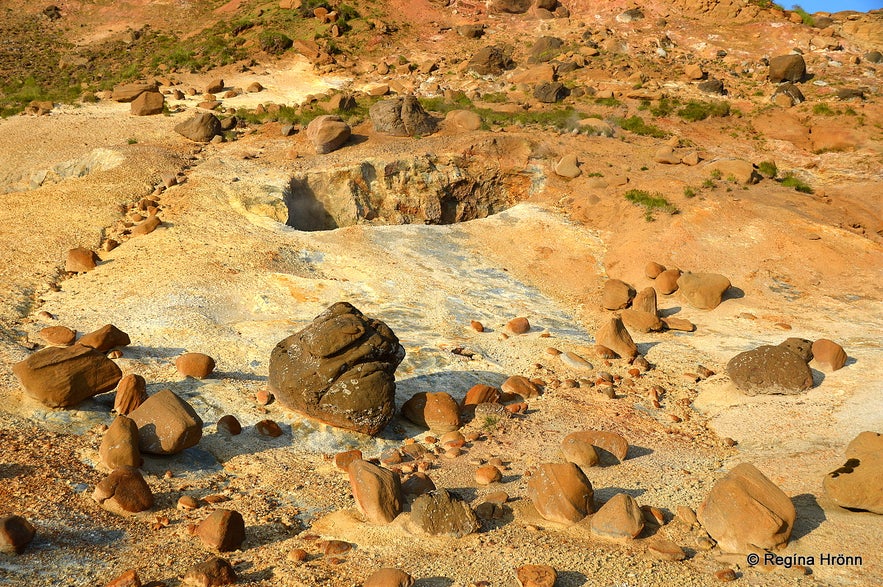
[(620, 517), (328, 133), (124, 491), (377, 491), (223, 530), (105, 338), (536, 576), (196, 365), (745, 511), (568, 166), (146, 227), (166, 424), (787, 68), (703, 290), (15, 534), (80, 260), (488, 474), (608, 442), (60, 377), (712, 86), (579, 451), (58, 335), (550, 92), (128, 92), (694, 71), (645, 301), (131, 393), (401, 117), (268, 428), (511, 6), (769, 370), (518, 325), (615, 337), (667, 281), (673, 323), (389, 578), (211, 573), (202, 128), (119, 445), (148, 104), (739, 170), (856, 485), (215, 86), (521, 386), (437, 411), (340, 369), (418, 484), (441, 513), (574, 361), (561, 493), (616, 294), (480, 394), (829, 355), (640, 321)]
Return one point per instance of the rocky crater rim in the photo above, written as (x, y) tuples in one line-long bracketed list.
[(424, 189)]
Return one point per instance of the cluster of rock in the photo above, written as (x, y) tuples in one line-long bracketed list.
[(784, 368)]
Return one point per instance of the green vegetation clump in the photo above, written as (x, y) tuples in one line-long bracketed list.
[(822, 109), (791, 181), (805, 16), (611, 102), (665, 107), (696, 110), (651, 203), (495, 97), (274, 43), (689, 192), (637, 125), (768, 169)]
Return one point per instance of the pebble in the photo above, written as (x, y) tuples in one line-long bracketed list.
[(575, 361), (477, 326), (197, 365), (297, 555), (521, 386), (268, 428), (187, 502), (653, 269), (222, 530), (553, 351), (263, 397), (725, 575), (230, 425), (518, 325), (211, 573), (15, 534), (488, 474), (536, 576), (418, 484), (105, 338)]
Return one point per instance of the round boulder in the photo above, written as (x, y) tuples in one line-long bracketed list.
[(769, 370)]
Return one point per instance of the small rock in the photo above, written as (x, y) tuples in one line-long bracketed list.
[(480, 394), (477, 326), (641, 321), (166, 424), (787, 68), (616, 295), (664, 549), (119, 445), (561, 493), (518, 325), (222, 530), (725, 575), (211, 573), (15, 534), (463, 120), (620, 517), (389, 578), (131, 393), (148, 104), (536, 576), (202, 128), (653, 269), (615, 337), (829, 355), (377, 491), (129, 578), (681, 324), (80, 260), (667, 281), (195, 365), (418, 484), (328, 133), (521, 386), (188, 503), (65, 376), (58, 335), (124, 491), (229, 424), (268, 428), (437, 411), (568, 166), (610, 442), (579, 451), (342, 460), (574, 361), (441, 513), (703, 290), (488, 474), (105, 338)]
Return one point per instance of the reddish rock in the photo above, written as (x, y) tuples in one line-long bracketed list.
[(146, 227), (124, 491), (610, 442), (645, 301), (653, 269), (745, 512), (703, 290), (80, 260), (377, 491), (58, 335), (614, 336), (418, 484), (268, 428), (222, 530), (667, 282), (561, 493), (129, 578), (536, 576), (167, 424), (15, 534), (488, 474), (342, 460), (616, 294), (105, 338), (119, 445), (148, 104), (620, 517), (664, 549), (389, 578), (522, 386), (518, 325), (197, 365), (480, 394), (64, 376), (211, 573), (829, 355), (579, 451), (131, 393), (230, 425), (673, 323), (640, 321), (437, 411)]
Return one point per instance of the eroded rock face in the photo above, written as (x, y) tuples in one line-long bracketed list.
[(64, 376), (340, 370), (769, 370), (745, 511)]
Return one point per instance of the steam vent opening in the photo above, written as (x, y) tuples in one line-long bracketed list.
[(421, 190)]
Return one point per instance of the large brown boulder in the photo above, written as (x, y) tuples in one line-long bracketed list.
[(614, 336), (745, 512), (166, 424), (769, 370), (561, 493), (328, 133), (490, 60), (437, 411), (703, 290), (201, 128), (64, 376), (340, 369), (401, 117), (787, 68), (128, 92), (124, 491), (148, 103)]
